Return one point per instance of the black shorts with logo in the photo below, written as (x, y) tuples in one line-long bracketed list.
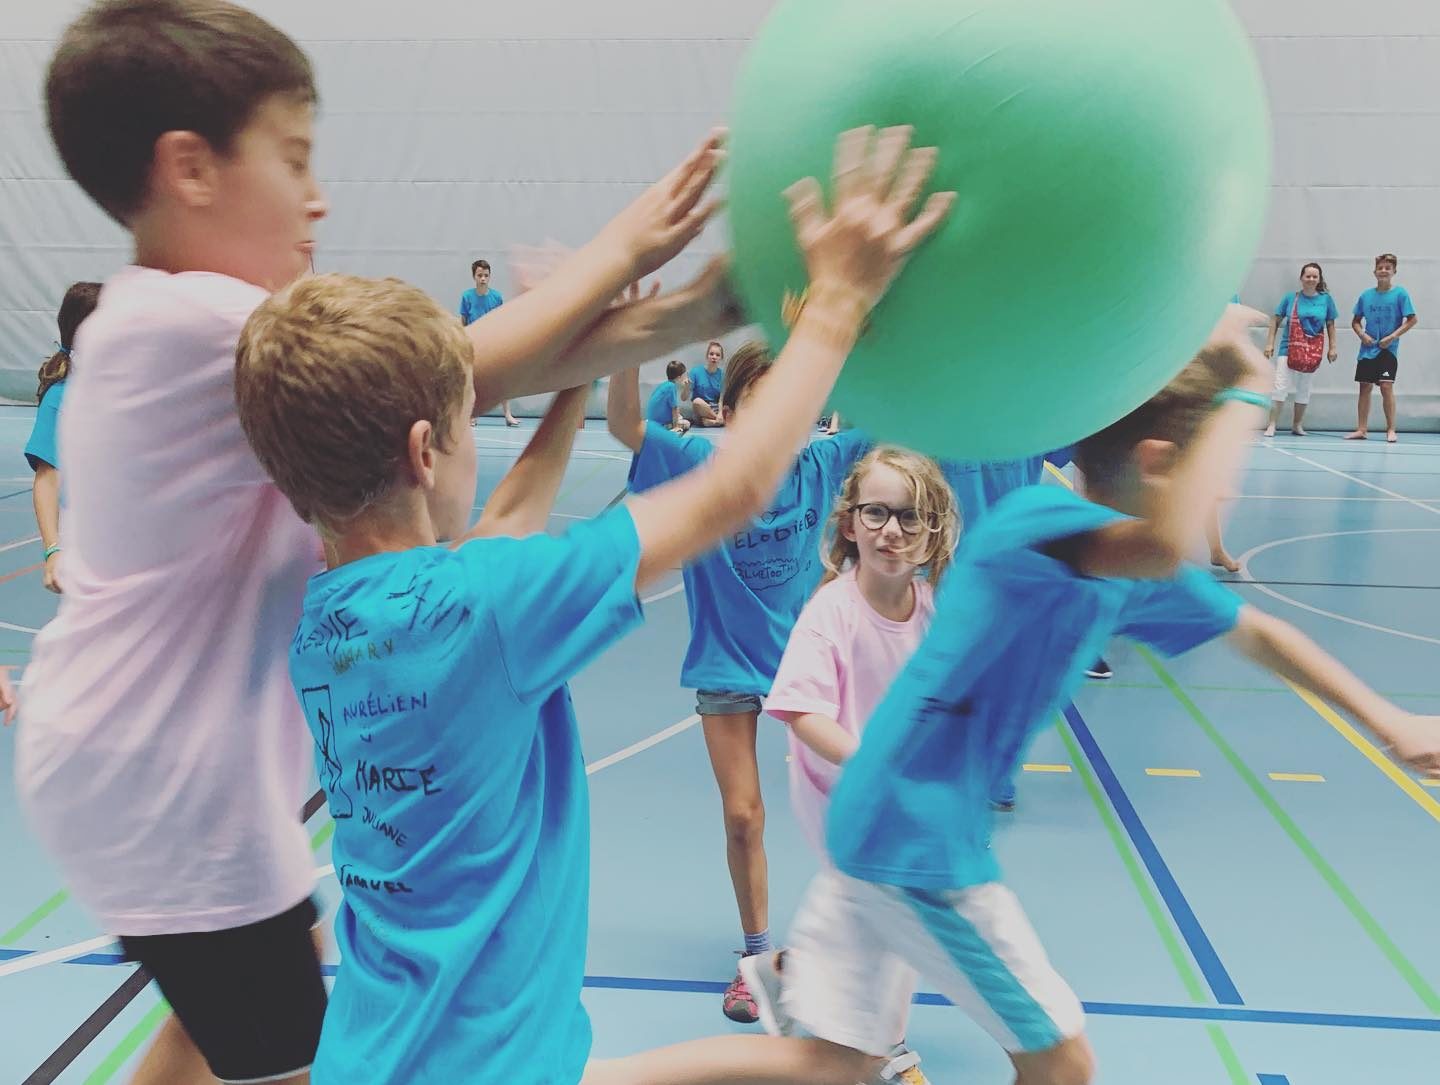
[(1374, 370)]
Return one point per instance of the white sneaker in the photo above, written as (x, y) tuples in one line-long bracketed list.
[(762, 976)]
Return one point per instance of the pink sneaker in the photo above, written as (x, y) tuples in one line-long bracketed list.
[(739, 1003)]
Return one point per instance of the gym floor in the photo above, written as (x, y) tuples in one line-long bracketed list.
[(1234, 881)]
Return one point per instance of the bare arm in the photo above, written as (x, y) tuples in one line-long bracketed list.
[(825, 736), (1357, 325), (1409, 323), (522, 503), (525, 346), (1334, 350), (852, 258), (622, 410), (1274, 332), (1282, 649), (46, 496)]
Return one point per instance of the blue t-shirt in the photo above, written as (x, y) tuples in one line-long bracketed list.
[(433, 681), (1012, 635), (663, 401), (706, 385), (473, 306), (1315, 313), (745, 596), (42, 446), (1383, 313), (978, 486)]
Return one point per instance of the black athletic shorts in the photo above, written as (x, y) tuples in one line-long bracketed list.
[(1379, 368), (251, 998)]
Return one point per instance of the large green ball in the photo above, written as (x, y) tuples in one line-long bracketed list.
[(1112, 163)]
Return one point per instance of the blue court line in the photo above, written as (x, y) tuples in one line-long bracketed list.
[(1242, 1015), (1221, 985), (1274, 1079)]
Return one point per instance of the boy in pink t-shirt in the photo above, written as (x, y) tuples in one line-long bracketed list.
[(162, 756), (895, 517)]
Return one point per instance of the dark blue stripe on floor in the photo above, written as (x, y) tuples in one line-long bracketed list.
[(1188, 924), (1274, 1079)]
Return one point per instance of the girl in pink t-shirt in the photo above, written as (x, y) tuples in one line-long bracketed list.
[(895, 517)]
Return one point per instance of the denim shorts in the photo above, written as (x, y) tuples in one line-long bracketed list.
[(714, 702)]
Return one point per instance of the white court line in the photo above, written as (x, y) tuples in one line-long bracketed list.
[(1250, 579), (18, 628), (1359, 481), (19, 543), (574, 452), (50, 956), (1312, 497), (675, 590)]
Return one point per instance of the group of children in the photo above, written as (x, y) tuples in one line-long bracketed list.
[(687, 398), (304, 578), (1305, 320)]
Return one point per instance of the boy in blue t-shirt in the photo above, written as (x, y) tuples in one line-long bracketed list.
[(433, 676), (475, 303), (1033, 594), (1382, 315), (744, 598), (664, 406)]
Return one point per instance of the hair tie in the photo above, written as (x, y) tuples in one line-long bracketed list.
[(63, 350)]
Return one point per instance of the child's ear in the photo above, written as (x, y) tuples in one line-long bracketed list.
[(847, 527), (420, 458), (184, 166), (1155, 459)]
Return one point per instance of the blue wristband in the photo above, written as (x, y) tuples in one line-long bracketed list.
[(51, 551), (1242, 395)]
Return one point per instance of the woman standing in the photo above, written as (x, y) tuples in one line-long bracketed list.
[(1304, 319)]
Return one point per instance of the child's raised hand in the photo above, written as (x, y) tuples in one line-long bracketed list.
[(1234, 330), (669, 214), (865, 242), (1414, 740)]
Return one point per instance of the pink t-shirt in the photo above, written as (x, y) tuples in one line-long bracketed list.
[(840, 660), (162, 756)]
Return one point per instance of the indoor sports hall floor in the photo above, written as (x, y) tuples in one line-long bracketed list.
[(1239, 886)]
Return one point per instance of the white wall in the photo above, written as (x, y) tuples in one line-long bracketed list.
[(451, 129)]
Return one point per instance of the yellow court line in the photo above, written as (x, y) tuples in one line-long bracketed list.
[(1430, 782), (1187, 773), (1056, 472), (1397, 775), (1297, 777), (1046, 768)]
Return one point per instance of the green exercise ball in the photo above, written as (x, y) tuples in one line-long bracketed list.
[(1112, 162)]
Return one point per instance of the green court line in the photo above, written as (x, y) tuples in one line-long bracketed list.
[(34, 919), (129, 1044), (1163, 927), (1402, 965), (324, 833)]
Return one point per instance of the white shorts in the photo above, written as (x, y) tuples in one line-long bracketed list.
[(1287, 379), (856, 947)]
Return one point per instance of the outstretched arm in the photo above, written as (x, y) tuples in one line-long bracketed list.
[(522, 503), (1282, 649), (525, 346)]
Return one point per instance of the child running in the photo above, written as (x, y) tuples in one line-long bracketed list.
[(743, 598), (895, 517), (162, 758), (1035, 591), (433, 677)]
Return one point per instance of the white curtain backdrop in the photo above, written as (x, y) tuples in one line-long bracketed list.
[(451, 130)]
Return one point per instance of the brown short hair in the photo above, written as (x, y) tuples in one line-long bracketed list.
[(1387, 258), (1174, 414), (747, 365), (128, 71), (331, 374)]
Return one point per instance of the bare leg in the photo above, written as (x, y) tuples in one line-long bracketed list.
[(1219, 556), (173, 1059), (1070, 1062), (731, 742), (1296, 427), (510, 419), (743, 1060), (1276, 405), (705, 414), (1387, 400), (1363, 410)]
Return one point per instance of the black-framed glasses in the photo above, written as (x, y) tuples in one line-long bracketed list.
[(875, 516)]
